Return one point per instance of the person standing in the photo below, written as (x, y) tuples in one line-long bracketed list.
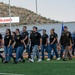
[(7, 45), (52, 45), (17, 44), (25, 41), (44, 43), (65, 42), (36, 42)]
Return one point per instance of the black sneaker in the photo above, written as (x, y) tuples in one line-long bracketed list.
[(15, 62), (5, 62), (70, 58), (23, 61), (64, 59)]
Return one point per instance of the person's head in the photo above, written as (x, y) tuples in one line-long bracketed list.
[(13, 34), (34, 29), (52, 31), (44, 31), (24, 28), (17, 31), (8, 31), (65, 28)]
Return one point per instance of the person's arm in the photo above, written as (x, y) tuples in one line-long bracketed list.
[(53, 41), (40, 41), (13, 45), (71, 39), (25, 38), (46, 40)]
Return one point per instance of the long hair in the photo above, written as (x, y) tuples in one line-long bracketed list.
[(9, 31)]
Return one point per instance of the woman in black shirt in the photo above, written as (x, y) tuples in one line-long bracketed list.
[(7, 45)]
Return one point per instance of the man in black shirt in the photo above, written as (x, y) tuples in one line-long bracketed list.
[(56, 36), (52, 45), (44, 43), (65, 42), (35, 38), (25, 40)]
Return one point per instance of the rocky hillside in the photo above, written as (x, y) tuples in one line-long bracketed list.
[(26, 16)]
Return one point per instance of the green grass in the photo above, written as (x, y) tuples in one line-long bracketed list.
[(52, 67)]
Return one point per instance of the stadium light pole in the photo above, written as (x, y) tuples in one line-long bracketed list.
[(36, 11), (10, 13)]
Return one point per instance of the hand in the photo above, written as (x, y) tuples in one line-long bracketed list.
[(8, 45), (45, 44), (13, 46), (51, 43)]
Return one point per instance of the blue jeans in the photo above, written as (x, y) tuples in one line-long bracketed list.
[(21, 52), (62, 50), (18, 50), (7, 51), (54, 47), (73, 49), (35, 52), (43, 48)]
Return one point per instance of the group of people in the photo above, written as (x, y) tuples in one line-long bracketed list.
[(34, 43)]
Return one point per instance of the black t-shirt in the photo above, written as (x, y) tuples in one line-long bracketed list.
[(44, 39), (0, 36), (56, 37), (35, 38), (24, 34), (52, 37), (18, 39), (7, 38), (65, 38)]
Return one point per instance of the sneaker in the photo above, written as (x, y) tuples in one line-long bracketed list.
[(23, 61), (39, 60), (29, 60), (64, 59), (58, 58), (32, 60), (15, 62), (48, 59), (5, 62)]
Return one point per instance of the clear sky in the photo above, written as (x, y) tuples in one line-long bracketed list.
[(62, 10)]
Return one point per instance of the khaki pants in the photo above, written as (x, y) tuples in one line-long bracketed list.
[(67, 52)]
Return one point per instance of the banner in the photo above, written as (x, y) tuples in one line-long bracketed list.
[(8, 19)]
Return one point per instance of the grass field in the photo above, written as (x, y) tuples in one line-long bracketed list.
[(52, 67)]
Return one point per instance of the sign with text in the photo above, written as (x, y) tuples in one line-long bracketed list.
[(8, 19)]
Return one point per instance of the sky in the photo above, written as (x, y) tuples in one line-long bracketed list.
[(61, 10)]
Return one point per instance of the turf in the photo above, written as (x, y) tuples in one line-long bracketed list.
[(52, 67)]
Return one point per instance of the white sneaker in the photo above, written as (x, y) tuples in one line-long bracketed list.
[(48, 59), (58, 58), (32, 60), (39, 60)]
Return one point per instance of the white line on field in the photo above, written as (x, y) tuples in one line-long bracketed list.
[(9, 74)]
